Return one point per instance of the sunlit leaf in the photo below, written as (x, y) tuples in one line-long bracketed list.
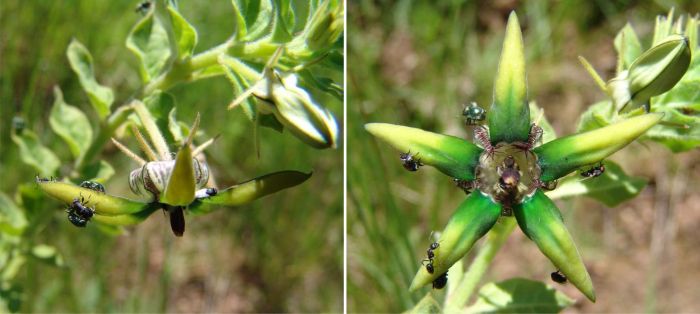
[(12, 219), (185, 34), (32, 153), (283, 21), (679, 133), (519, 295), (148, 40), (71, 124), (611, 188), (99, 171), (47, 254), (627, 46), (101, 97)]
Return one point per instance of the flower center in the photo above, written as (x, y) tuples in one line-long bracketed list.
[(508, 173)]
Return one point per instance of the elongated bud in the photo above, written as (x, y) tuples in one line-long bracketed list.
[(294, 108), (653, 73), (325, 26)]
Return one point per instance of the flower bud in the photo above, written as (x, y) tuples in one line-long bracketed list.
[(294, 108), (653, 73)]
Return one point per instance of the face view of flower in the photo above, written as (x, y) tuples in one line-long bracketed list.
[(506, 170)]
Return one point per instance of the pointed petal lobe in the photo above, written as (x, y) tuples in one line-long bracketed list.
[(509, 117), (564, 155), (449, 154), (472, 220), (249, 191), (541, 221), (103, 204)]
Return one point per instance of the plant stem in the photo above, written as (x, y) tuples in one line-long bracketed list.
[(496, 238)]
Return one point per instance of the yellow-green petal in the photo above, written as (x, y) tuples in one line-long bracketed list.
[(564, 155), (103, 204), (541, 221), (181, 185), (449, 154), (249, 191), (509, 117), (472, 220), (129, 219)]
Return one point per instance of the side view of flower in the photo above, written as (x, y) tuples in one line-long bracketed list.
[(507, 169)]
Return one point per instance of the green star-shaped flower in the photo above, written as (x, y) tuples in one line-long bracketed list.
[(507, 172)]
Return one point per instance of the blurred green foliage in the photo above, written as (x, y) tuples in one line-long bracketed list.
[(418, 63), (268, 256)]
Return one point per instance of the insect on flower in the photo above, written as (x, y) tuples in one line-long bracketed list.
[(92, 185), (410, 162), (466, 185), (440, 282), (596, 171), (473, 114), (79, 213), (558, 277)]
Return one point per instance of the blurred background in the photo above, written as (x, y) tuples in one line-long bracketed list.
[(282, 253), (417, 63)]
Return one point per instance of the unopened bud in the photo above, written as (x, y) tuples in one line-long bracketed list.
[(653, 73), (294, 108)]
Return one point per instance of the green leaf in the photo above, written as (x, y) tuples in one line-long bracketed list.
[(564, 155), (12, 219), (323, 83), (181, 186), (449, 154), (11, 297), (148, 40), (627, 46), (160, 105), (612, 188), (70, 124), (241, 29), (240, 85), (596, 116), (509, 116), (537, 116), (541, 221), (427, 304), (283, 22), (678, 132), (99, 171), (472, 220), (685, 95), (185, 34), (32, 153), (104, 204), (270, 121), (47, 254), (101, 97), (259, 17), (519, 295), (249, 191)]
